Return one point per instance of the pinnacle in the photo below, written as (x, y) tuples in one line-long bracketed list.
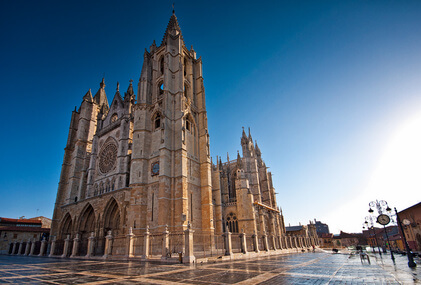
[(100, 97), (88, 96), (173, 28)]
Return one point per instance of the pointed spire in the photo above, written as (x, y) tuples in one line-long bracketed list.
[(88, 96), (239, 162), (244, 139), (250, 135), (152, 48), (129, 93), (100, 97), (173, 29), (228, 157), (220, 164), (257, 149)]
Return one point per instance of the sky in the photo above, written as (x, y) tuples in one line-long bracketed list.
[(331, 91)]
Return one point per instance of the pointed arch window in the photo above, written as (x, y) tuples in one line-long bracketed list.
[(161, 89), (161, 65), (232, 222), (185, 67), (157, 121)]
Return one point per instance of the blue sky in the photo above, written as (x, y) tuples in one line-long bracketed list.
[(330, 89)]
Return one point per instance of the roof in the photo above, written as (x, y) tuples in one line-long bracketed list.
[(293, 228), (25, 221), (348, 235), (25, 229)]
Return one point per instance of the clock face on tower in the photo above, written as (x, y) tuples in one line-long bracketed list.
[(155, 168), (383, 219)]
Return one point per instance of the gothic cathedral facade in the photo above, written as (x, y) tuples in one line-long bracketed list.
[(144, 164)]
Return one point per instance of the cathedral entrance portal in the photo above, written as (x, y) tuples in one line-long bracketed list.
[(86, 227)]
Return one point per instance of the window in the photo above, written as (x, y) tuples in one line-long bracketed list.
[(157, 121), (161, 88), (161, 64), (188, 125), (114, 118), (232, 223), (185, 67)]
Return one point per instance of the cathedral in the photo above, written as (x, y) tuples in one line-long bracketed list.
[(140, 167)]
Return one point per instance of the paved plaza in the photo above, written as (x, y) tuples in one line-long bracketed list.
[(300, 268)]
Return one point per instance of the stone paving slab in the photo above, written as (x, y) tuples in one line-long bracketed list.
[(300, 268)]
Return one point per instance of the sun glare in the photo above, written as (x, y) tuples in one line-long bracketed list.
[(398, 174)]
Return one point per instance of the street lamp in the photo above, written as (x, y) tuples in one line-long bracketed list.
[(383, 218), (411, 262), (371, 226)]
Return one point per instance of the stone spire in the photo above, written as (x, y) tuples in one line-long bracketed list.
[(88, 96), (250, 138), (129, 94), (257, 149), (244, 138), (173, 29), (239, 162), (100, 97)]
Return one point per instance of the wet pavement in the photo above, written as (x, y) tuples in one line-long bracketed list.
[(300, 268)]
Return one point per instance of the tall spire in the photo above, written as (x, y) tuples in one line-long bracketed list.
[(100, 97), (244, 139), (258, 152), (88, 96), (239, 162), (173, 29), (129, 95)]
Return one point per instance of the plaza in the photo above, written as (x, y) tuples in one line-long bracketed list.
[(300, 268)]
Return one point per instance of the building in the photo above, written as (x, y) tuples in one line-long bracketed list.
[(140, 168), (411, 223), (321, 228), (377, 237), (303, 231), (17, 235), (352, 239), (326, 240)]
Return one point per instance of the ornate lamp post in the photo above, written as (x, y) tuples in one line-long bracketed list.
[(370, 225), (411, 262), (383, 218)]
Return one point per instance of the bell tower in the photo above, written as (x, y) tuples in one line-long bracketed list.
[(170, 166)]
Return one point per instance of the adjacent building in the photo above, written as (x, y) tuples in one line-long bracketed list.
[(16, 234), (411, 223), (321, 228)]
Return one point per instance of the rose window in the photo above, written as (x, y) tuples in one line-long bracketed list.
[(107, 158)]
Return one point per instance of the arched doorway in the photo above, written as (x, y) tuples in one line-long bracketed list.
[(111, 221), (65, 230), (112, 218), (86, 227)]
